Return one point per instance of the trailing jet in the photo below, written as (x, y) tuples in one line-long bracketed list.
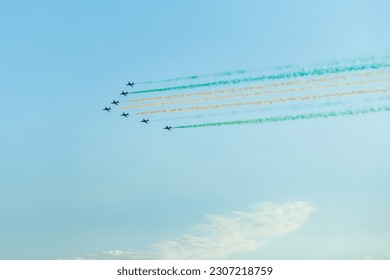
[(145, 121), (107, 109), (125, 115), (115, 102), (168, 127), (130, 84), (124, 93)]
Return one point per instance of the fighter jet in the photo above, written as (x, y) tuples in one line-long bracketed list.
[(115, 102), (145, 121), (124, 93), (130, 84), (125, 115), (168, 127), (107, 109)]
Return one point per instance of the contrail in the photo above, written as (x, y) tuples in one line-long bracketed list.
[(330, 114), (280, 84), (288, 90), (288, 75), (262, 102)]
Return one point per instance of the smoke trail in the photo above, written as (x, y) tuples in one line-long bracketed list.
[(262, 102), (288, 90), (200, 93), (330, 114), (218, 74), (238, 72), (195, 77), (280, 84), (288, 75), (330, 103)]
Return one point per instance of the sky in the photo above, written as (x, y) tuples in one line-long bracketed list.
[(80, 183)]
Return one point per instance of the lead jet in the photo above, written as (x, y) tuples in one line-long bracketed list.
[(125, 115), (115, 102), (145, 121), (130, 84), (124, 93), (107, 109), (168, 128)]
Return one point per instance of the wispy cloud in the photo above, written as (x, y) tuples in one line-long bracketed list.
[(380, 257), (221, 236), (117, 255)]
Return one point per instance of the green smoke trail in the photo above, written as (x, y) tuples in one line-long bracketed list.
[(292, 117), (277, 68), (195, 77), (288, 75)]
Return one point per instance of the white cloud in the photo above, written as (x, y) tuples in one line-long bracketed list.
[(221, 236)]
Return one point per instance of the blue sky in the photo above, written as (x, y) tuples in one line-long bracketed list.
[(77, 182)]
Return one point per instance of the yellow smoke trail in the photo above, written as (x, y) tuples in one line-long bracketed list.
[(262, 102), (311, 87), (220, 91)]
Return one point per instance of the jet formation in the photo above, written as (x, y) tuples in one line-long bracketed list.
[(126, 115)]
